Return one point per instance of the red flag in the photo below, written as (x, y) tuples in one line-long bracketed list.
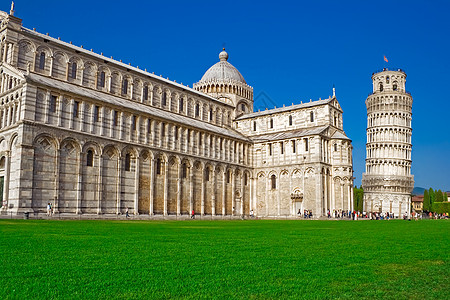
[(385, 59)]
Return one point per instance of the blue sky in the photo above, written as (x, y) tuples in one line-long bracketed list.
[(291, 51)]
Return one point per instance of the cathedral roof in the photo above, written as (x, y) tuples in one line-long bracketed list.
[(117, 101), (289, 134), (284, 109), (340, 136), (223, 71)]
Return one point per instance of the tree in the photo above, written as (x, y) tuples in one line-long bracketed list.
[(358, 199), (439, 196), (426, 201), (445, 197), (432, 197)]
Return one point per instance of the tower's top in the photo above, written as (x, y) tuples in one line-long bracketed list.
[(389, 80)]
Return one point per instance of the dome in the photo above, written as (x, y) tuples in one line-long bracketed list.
[(223, 70)]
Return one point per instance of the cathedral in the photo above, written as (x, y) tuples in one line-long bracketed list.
[(94, 136)]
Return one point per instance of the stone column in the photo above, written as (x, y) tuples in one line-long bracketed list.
[(191, 188), (82, 109), (67, 71), (108, 83), (131, 89), (118, 184), (100, 184), (166, 185), (5, 51), (79, 182), (111, 124), (6, 182), (56, 191), (92, 119), (319, 209), (233, 194), (213, 192), (351, 195), (342, 196), (242, 193), (46, 107), (152, 179), (278, 196), (333, 196), (136, 186), (60, 112), (51, 65), (202, 196), (224, 189), (121, 115), (13, 113), (138, 129), (33, 67), (179, 188), (102, 120), (325, 191), (72, 104), (252, 203)]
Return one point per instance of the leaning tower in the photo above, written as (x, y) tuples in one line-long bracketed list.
[(388, 182)]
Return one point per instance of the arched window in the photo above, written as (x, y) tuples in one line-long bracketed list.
[(273, 180), (243, 107), (102, 79), (145, 96), (42, 61), (2, 163), (133, 123), (127, 162), (164, 99), (271, 123), (125, 86), (181, 104), (184, 171), (394, 86), (311, 116), (158, 166), (210, 114), (228, 176), (90, 158), (335, 147), (74, 70), (254, 125), (207, 174), (245, 179), (381, 87), (387, 79), (197, 110), (290, 120)]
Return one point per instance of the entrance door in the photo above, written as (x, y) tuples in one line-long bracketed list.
[(299, 206)]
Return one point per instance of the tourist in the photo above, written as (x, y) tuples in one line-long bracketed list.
[(251, 214), (49, 209), (193, 214), (126, 213)]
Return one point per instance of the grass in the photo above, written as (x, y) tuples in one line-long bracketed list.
[(224, 259)]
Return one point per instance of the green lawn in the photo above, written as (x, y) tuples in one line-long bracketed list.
[(224, 259)]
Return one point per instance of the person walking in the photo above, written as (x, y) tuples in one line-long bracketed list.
[(193, 214), (126, 213), (49, 209)]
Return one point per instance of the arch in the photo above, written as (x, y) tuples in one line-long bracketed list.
[(110, 151), (89, 74), (27, 50)]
